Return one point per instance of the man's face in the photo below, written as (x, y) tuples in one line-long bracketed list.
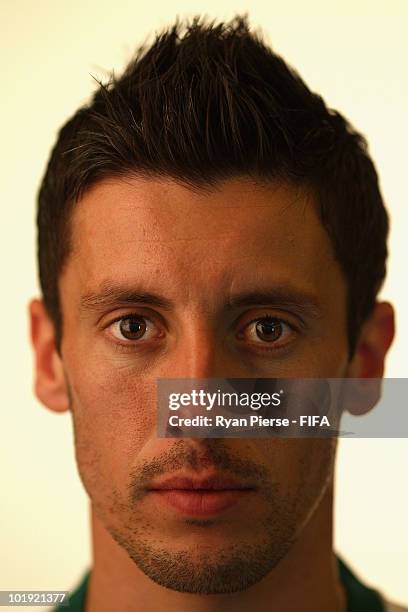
[(167, 281)]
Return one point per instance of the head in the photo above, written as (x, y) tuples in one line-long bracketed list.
[(205, 215)]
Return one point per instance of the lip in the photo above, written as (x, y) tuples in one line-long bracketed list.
[(200, 496), (215, 482)]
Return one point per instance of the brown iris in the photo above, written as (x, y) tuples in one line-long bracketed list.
[(132, 328), (268, 330)]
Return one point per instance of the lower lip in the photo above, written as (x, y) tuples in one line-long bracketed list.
[(201, 502)]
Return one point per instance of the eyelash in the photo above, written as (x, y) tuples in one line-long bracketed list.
[(273, 346), (260, 346), (126, 343)]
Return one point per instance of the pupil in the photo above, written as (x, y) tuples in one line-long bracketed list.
[(268, 330), (132, 328)]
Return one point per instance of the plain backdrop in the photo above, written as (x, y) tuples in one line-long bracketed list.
[(355, 55)]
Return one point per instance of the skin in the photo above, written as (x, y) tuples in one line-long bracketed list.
[(199, 250)]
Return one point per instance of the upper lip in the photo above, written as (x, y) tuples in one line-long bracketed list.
[(216, 482)]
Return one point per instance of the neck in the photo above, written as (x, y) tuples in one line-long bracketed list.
[(306, 579)]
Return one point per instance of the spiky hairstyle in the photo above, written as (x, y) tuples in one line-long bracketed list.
[(202, 103)]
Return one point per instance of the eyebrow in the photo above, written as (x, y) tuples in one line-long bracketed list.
[(282, 296), (113, 295)]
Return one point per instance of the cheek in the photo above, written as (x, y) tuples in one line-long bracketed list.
[(304, 470), (114, 415), (313, 474)]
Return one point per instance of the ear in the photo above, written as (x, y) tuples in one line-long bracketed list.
[(367, 364), (50, 385)]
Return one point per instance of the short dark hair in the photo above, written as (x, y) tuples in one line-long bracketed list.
[(202, 103)]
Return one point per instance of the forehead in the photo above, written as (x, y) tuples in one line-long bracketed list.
[(152, 231)]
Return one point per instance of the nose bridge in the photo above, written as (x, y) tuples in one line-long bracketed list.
[(198, 351), (199, 346)]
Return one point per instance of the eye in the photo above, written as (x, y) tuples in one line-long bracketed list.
[(133, 327), (267, 330)]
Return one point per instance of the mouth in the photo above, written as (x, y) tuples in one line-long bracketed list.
[(196, 497)]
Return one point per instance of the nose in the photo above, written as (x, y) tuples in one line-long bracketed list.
[(202, 351)]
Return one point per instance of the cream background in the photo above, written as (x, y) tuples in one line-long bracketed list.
[(355, 55)]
